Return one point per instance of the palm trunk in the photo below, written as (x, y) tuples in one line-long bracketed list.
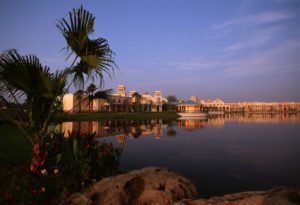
[(38, 159)]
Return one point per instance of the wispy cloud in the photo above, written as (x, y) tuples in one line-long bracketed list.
[(259, 38), (256, 19), (196, 65), (284, 58), (277, 59), (131, 71), (255, 42)]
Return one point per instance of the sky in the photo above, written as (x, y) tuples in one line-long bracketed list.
[(236, 50)]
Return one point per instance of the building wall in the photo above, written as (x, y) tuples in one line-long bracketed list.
[(100, 105), (69, 103), (264, 106)]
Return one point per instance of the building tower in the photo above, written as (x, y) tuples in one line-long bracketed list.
[(121, 91)]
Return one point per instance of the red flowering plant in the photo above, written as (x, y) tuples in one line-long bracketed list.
[(70, 164)]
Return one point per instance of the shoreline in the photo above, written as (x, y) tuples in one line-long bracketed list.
[(60, 117)]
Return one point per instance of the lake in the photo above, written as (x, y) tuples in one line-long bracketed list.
[(220, 154)]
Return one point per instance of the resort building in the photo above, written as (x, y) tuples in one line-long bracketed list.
[(75, 103), (134, 102), (264, 107), (118, 102), (218, 105), (190, 107)]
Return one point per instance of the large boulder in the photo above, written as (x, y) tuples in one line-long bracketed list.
[(159, 186), (275, 196), (147, 186)]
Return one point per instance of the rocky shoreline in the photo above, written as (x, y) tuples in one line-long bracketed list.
[(160, 186)]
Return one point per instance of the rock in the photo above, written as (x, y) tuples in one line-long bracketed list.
[(275, 196), (147, 186), (159, 186)]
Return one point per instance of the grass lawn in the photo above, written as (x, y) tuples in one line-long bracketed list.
[(15, 149), (114, 116)]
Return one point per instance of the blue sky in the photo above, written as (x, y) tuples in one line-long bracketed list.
[(236, 50)]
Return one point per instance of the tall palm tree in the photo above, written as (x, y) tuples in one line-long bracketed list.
[(91, 89), (79, 95), (92, 57), (25, 76), (136, 100)]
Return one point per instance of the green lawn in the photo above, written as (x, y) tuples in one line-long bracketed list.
[(15, 149), (113, 116)]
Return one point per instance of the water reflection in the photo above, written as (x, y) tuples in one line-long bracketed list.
[(136, 128), (221, 154), (118, 128)]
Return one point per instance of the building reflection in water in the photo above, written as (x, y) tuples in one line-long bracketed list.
[(118, 128), (136, 128)]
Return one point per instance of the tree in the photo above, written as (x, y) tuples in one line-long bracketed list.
[(90, 90), (136, 99), (103, 94), (25, 76), (93, 56), (79, 95), (172, 98)]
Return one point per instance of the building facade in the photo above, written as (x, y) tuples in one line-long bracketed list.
[(220, 105), (118, 102)]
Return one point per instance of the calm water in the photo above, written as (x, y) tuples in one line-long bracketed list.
[(222, 154)]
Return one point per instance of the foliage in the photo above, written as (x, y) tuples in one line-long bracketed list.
[(95, 55), (40, 87), (23, 76), (91, 89), (172, 98), (70, 165), (103, 94)]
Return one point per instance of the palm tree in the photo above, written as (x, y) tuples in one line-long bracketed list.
[(93, 57), (103, 94), (136, 100), (25, 76), (90, 90), (79, 95)]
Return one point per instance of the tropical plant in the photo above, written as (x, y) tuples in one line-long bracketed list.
[(24, 76), (136, 99), (172, 98), (103, 94), (93, 57), (72, 163), (91, 89), (79, 96)]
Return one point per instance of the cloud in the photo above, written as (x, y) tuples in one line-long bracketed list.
[(275, 60), (195, 65), (258, 39), (283, 58), (255, 42), (256, 19), (131, 71)]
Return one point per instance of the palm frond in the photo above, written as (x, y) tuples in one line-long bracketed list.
[(23, 75), (103, 94), (95, 56)]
